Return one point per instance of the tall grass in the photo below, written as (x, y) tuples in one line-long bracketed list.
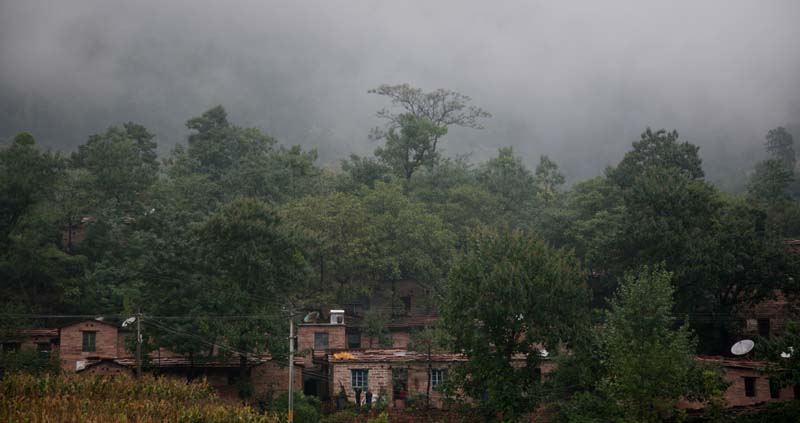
[(96, 399)]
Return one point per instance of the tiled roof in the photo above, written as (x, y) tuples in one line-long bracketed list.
[(396, 355), (43, 332), (390, 355), (743, 363), (186, 362)]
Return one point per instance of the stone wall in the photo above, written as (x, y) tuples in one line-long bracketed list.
[(380, 375)]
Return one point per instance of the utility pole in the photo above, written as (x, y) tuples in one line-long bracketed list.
[(291, 368), (139, 345)]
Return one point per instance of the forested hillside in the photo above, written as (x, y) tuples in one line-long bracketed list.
[(233, 222)]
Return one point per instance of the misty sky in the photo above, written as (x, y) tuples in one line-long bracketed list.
[(575, 80)]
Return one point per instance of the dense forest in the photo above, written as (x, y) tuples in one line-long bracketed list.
[(232, 223)]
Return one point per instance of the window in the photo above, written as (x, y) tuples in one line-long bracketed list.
[(320, 340), (399, 383), (750, 386), (353, 338), (774, 389), (359, 378), (437, 377), (89, 341), (763, 327)]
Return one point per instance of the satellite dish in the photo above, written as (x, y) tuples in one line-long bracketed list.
[(787, 354), (742, 347), (128, 321), (311, 317), (543, 353)]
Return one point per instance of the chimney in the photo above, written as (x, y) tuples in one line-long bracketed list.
[(337, 317)]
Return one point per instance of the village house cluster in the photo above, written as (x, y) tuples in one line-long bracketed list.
[(336, 355)]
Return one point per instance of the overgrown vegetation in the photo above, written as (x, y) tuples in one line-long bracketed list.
[(103, 399)]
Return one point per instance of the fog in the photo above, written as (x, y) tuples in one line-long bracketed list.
[(575, 80)]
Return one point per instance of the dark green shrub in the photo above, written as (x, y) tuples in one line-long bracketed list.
[(306, 407)]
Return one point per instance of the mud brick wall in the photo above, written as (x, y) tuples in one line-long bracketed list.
[(71, 348)]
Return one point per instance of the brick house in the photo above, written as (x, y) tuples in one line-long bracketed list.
[(341, 359), (90, 340), (749, 385), (44, 340), (95, 347), (398, 374)]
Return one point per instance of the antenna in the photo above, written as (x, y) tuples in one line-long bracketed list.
[(742, 347)]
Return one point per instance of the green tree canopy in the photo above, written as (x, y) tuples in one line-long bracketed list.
[(411, 145), (122, 160), (769, 182), (509, 298), (441, 107), (513, 184), (659, 149), (649, 360)]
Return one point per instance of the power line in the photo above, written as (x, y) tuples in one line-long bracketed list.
[(120, 316), (196, 337)]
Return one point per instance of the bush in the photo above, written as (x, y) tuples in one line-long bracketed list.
[(344, 416), (29, 361), (588, 407), (306, 408), (775, 412), (381, 418)]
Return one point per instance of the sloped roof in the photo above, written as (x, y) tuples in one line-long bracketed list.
[(390, 355), (53, 332), (742, 363), (185, 362)]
